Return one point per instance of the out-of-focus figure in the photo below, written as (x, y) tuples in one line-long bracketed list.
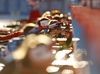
[(27, 29), (34, 12), (32, 57), (55, 29), (43, 25), (57, 32), (57, 15)]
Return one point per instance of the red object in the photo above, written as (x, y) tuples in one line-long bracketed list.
[(89, 20), (12, 35), (1, 31), (33, 15), (59, 20), (40, 28), (68, 24), (79, 0)]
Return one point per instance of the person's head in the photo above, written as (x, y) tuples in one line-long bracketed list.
[(30, 28), (57, 15), (43, 22), (54, 26)]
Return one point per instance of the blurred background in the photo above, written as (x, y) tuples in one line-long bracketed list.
[(85, 16), (17, 8)]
